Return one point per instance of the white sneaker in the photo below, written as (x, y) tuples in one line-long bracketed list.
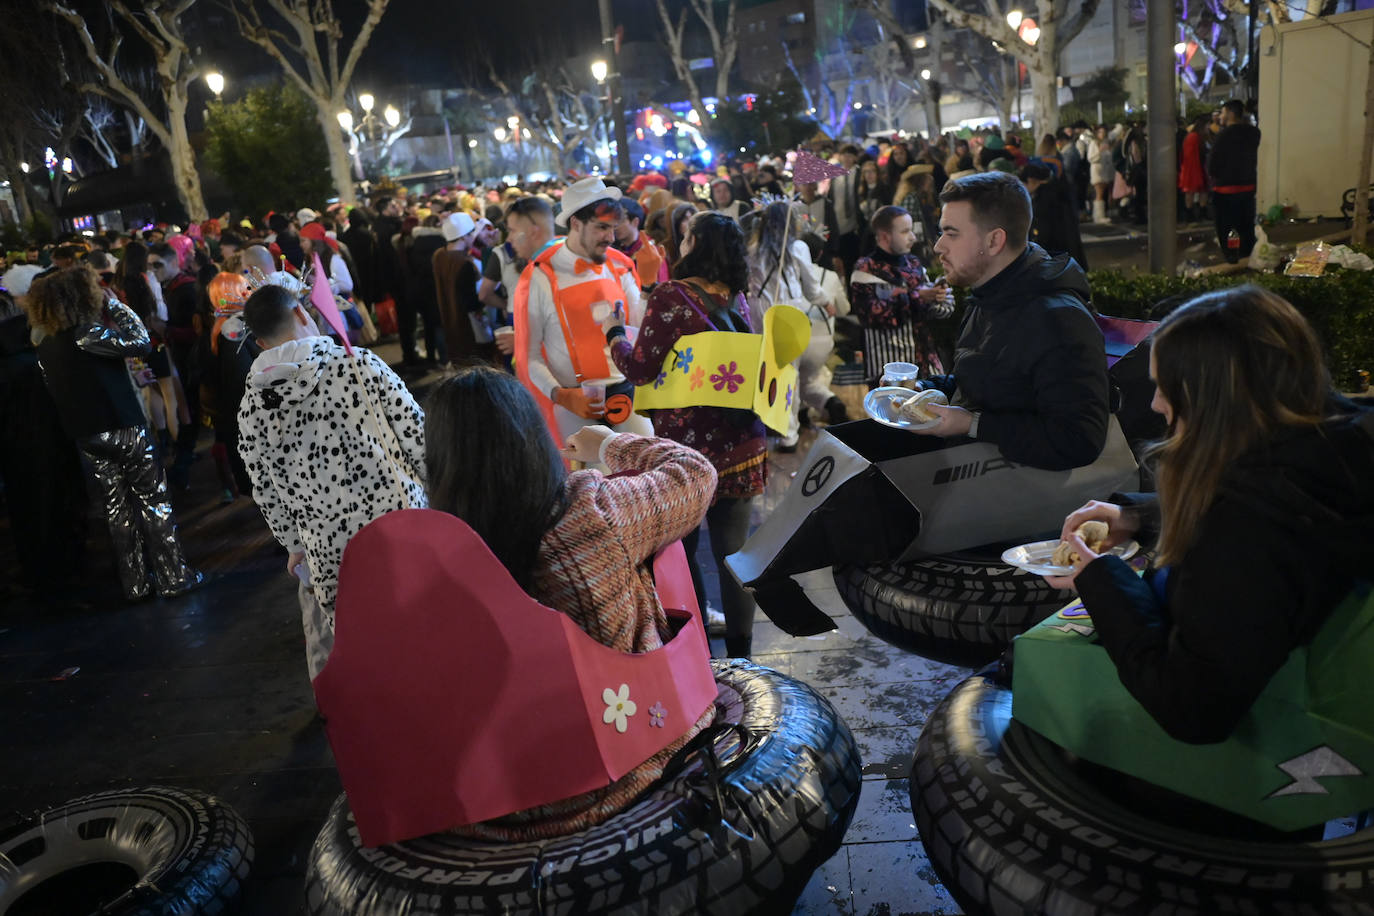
[(715, 622)]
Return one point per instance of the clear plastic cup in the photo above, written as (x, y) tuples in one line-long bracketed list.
[(900, 375), (595, 393)]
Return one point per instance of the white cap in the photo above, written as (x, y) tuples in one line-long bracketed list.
[(19, 278), (306, 215), (457, 225), (581, 193)]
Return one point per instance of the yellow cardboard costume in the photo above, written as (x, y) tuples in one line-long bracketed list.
[(729, 369)]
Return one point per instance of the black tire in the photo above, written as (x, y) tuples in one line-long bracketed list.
[(1013, 828), (789, 793), (961, 609), (155, 851)]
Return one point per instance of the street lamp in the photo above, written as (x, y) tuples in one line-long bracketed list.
[(24, 167), (1180, 48), (345, 121), (216, 83), (366, 101), (925, 74), (1014, 19), (393, 117), (600, 69), (500, 134), (67, 164), (472, 144)]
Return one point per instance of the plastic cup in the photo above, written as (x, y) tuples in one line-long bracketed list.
[(900, 375), (504, 330), (595, 393)]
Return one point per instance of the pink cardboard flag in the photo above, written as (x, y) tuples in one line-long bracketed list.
[(807, 168), (323, 299)]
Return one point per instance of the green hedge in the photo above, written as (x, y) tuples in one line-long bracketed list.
[(1339, 304)]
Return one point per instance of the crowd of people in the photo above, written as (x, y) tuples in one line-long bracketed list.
[(548, 306)]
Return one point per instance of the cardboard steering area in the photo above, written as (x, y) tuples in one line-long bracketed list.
[(1275, 819), (872, 494)]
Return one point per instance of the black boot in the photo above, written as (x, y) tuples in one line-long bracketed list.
[(179, 475), (738, 646), (835, 411)]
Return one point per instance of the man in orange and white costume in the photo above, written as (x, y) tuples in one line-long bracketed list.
[(559, 304)]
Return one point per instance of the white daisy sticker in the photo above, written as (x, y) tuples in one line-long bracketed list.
[(618, 707)]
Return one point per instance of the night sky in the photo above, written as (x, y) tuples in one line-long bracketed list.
[(415, 44)]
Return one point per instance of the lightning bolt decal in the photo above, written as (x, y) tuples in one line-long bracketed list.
[(1307, 768)]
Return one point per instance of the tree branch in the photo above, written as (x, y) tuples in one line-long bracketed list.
[(114, 87)]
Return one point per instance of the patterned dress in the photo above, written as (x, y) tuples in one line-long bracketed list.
[(733, 440)]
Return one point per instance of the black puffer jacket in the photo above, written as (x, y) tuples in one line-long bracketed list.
[(1291, 531), (1031, 358)]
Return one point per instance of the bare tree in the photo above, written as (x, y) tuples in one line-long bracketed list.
[(158, 24), (559, 117), (892, 91), (1058, 22), (818, 88), (98, 119), (724, 49), (1220, 32), (310, 57)]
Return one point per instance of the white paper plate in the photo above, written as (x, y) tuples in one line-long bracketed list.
[(881, 404), (1035, 557)]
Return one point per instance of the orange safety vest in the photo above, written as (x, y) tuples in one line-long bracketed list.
[(583, 335)]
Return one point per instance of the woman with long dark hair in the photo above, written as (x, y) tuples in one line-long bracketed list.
[(86, 339), (1264, 520), (139, 290), (579, 543), (706, 294)]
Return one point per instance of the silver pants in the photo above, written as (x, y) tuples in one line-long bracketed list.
[(134, 491)]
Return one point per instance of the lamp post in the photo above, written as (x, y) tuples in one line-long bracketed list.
[(215, 81), (513, 122), (599, 71), (368, 130), (611, 48), (1026, 30)]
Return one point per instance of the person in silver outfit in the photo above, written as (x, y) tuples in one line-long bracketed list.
[(83, 338)]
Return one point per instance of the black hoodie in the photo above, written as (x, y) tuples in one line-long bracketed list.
[(1289, 535), (1031, 358)]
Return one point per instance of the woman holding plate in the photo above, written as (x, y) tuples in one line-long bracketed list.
[(1263, 523)]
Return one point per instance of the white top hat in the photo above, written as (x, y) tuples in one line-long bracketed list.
[(581, 193)]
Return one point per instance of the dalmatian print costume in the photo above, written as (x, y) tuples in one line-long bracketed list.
[(321, 466)]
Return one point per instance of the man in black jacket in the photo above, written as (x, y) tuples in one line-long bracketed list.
[(1030, 368), (1232, 167)]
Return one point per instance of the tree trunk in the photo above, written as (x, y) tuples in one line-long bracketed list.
[(339, 169), (183, 157), (1045, 107)]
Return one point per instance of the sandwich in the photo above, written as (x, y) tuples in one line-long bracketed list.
[(1094, 535), (913, 409)]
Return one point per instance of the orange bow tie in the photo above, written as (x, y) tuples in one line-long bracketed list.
[(581, 267)]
